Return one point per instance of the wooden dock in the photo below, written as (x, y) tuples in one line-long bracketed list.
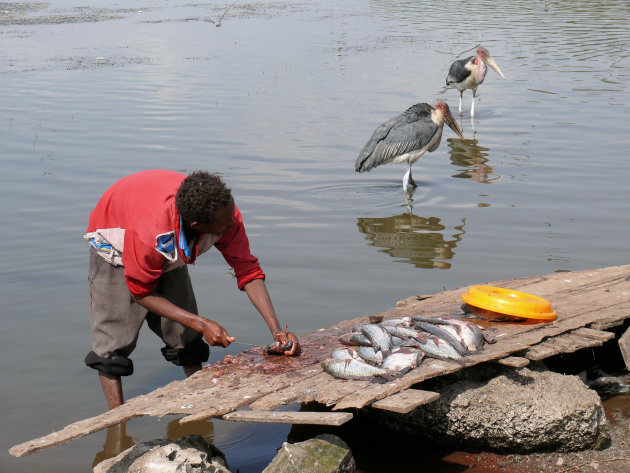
[(248, 386)]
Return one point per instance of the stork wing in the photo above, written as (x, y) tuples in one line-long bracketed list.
[(409, 131), (458, 71)]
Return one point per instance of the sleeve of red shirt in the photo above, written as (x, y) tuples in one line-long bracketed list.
[(143, 266), (234, 246)]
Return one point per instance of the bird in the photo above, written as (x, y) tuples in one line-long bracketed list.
[(469, 73), (406, 137)]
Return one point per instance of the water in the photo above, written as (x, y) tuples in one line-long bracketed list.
[(279, 100)]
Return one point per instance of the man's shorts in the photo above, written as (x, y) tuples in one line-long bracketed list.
[(116, 319)]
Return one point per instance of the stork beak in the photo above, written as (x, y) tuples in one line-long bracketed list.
[(450, 121), (490, 62)]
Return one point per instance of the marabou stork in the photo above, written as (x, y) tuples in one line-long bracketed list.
[(469, 73), (407, 137)]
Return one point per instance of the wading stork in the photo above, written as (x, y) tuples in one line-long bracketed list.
[(407, 137), (469, 73)]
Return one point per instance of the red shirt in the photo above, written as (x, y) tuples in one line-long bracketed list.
[(132, 214)]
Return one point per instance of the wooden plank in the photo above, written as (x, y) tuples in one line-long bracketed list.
[(567, 343), (290, 393), (597, 334), (595, 298), (624, 346), (406, 401), (74, 431), (513, 361), (249, 391), (607, 323), (313, 418)]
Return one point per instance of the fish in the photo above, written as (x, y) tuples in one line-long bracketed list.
[(403, 359), (381, 340), (472, 336), (445, 335), (279, 347), (434, 347), (403, 321), (344, 354), (355, 338), (400, 331), (356, 370), (370, 355)]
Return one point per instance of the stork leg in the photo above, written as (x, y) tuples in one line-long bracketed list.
[(461, 92), (408, 180), (472, 107)]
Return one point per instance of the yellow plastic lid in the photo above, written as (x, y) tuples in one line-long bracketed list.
[(509, 302)]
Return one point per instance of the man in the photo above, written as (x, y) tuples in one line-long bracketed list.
[(143, 232)]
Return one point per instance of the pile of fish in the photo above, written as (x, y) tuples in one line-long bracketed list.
[(390, 348)]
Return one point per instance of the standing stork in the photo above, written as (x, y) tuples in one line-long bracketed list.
[(407, 137), (469, 73)]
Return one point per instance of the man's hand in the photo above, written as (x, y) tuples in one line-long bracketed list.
[(215, 334)]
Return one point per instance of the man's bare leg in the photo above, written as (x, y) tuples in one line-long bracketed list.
[(112, 388), (190, 370)]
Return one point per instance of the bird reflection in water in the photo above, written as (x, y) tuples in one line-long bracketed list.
[(472, 160), (412, 239)]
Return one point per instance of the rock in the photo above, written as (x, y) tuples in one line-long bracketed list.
[(189, 454), (323, 454), (508, 410)]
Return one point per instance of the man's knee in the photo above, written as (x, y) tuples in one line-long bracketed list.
[(117, 365)]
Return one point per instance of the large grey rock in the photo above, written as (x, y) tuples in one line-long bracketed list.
[(323, 454), (503, 409), (189, 454)]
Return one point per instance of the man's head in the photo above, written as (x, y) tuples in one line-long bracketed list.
[(205, 203)]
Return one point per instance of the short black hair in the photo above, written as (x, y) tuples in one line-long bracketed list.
[(200, 195)]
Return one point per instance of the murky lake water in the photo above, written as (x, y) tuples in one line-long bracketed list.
[(280, 100)]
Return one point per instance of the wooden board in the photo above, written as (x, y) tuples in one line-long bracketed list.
[(314, 418), (624, 346), (586, 303), (406, 401)]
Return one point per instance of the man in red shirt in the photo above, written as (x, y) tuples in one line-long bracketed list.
[(143, 233)]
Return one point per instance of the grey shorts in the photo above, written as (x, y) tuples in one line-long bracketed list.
[(116, 319)]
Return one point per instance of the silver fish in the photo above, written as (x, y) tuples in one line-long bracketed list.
[(403, 321), (369, 354), (344, 354), (400, 331), (381, 340), (435, 347), (403, 359), (355, 338), (355, 370), (445, 335)]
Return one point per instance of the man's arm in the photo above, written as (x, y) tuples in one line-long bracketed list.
[(212, 332), (259, 296)]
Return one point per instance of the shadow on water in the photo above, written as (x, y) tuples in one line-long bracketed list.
[(409, 238)]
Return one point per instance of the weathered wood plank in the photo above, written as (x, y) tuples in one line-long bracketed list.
[(406, 401), (314, 418), (597, 334), (595, 298), (624, 346), (74, 431), (513, 361), (248, 391), (567, 343), (291, 393)]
